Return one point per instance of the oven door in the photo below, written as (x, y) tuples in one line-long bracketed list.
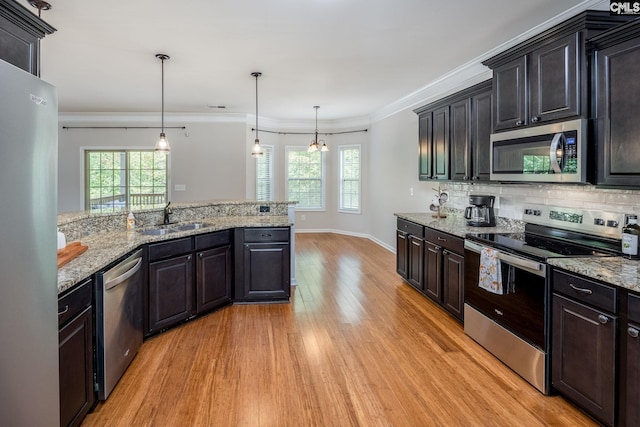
[(521, 308), (549, 153)]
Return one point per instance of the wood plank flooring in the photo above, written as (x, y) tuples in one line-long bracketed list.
[(355, 347)]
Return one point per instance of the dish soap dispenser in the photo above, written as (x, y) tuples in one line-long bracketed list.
[(630, 234), (131, 221)]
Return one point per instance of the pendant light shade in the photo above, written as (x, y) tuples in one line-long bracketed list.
[(315, 144), (256, 151), (162, 145)]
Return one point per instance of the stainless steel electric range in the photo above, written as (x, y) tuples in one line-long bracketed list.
[(514, 325)]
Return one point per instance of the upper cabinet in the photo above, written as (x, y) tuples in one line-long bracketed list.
[(546, 78), (20, 34), (617, 108), (454, 136)]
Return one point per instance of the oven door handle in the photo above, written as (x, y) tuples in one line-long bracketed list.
[(537, 268)]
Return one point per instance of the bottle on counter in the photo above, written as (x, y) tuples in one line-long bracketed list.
[(131, 221), (630, 234)]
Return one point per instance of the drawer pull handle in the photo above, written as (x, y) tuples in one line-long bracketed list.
[(66, 308), (266, 235), (442, 239), (581, 291), (603, 319), (633, 332), (415, 243)]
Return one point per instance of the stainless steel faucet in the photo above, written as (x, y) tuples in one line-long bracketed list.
[(167, 211)]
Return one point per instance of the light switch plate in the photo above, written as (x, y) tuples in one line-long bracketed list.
[(180, 187)]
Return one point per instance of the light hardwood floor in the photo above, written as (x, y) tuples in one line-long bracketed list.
[(355, 347)]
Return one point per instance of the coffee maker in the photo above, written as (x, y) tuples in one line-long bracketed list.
[(480, 214)]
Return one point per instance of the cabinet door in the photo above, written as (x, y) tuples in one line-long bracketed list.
[(441, 143), (213, 277), (266, 272), (416, 254), (618, 109), (76, 369), (402, 253), (583, 357), (481, 106), (433, 271), (453, 283), (554, 80), (510, 96), (461, 140), (170, 292), (631, 376), (425, 131)]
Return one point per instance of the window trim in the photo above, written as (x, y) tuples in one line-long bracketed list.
[(341, 148), (266, 148), (323, 179)]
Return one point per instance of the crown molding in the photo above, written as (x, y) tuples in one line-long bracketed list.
[(151, 117)]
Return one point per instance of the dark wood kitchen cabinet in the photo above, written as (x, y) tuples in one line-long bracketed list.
[(444, 270), (170, 287), (545, 78), (410, 252), (213, 270), (20, 34), (629, 409), (584, 346), (617, 109), (76, 363), (434, 144), (262, 264)]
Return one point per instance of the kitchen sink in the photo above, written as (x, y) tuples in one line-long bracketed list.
[(163, 229), (192, 226), (158, 231)]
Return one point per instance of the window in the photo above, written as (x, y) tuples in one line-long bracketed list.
[(264, 174), (120, 180), (305, 178), (350, 178)]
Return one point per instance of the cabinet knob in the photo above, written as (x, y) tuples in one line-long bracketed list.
[(535, 119), (466, 178), (445, 252), (633, 332), (437, 248), (188, 257), (201, 255), (519, 122), (603, 319)]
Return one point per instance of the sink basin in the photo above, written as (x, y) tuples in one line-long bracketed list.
[(192, 226), (157, 231)]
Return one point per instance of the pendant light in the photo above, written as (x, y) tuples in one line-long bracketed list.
[(162, 145), (256, 151), (315, 144)]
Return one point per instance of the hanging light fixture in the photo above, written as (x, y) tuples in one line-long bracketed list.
[(256, 151), (315, 144), (162, 145)]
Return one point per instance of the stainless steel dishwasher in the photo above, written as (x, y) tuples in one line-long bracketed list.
[(118, 320)]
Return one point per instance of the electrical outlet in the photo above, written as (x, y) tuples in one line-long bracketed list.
[(411, 191), (180, 187), (264, 209), (303, 217)]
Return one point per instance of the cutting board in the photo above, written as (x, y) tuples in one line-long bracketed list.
[(70, 251)]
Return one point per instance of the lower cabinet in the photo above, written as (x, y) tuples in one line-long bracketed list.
[(262, 265), (410, 253), (630, 363), (584, 347), (213, 271), (76, 367)]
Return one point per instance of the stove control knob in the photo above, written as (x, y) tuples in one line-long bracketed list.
[(612, 223), (536, 212), (598, 221), (528, 211)]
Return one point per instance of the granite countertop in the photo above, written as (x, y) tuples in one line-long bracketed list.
[(617, 271), (455, 223), (107, 247)]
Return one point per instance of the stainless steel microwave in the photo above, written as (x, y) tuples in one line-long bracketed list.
[(549, 153)]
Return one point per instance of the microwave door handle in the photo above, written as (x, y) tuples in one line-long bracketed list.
[(558, 139)]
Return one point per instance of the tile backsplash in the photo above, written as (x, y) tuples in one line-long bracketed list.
[(510, 198)]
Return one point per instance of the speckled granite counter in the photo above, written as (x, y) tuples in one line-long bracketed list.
[(456, 224), (108, 240), (616, 271)]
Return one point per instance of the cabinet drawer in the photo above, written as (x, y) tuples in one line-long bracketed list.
[(634, 307), (445, 240), (410, 227), (170, 248), (258, 235), (593, 293), (72, 303), (212, 240)]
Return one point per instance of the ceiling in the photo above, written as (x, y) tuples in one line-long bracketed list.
[(350, 57)]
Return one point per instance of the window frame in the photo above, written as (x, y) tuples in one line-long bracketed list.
[(341, 150), (266, 149), (323, 178), (86, 196)]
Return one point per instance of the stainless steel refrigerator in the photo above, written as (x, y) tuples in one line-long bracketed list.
[(29, 390)]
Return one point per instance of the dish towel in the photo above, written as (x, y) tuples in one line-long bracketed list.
[(490, 275)]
